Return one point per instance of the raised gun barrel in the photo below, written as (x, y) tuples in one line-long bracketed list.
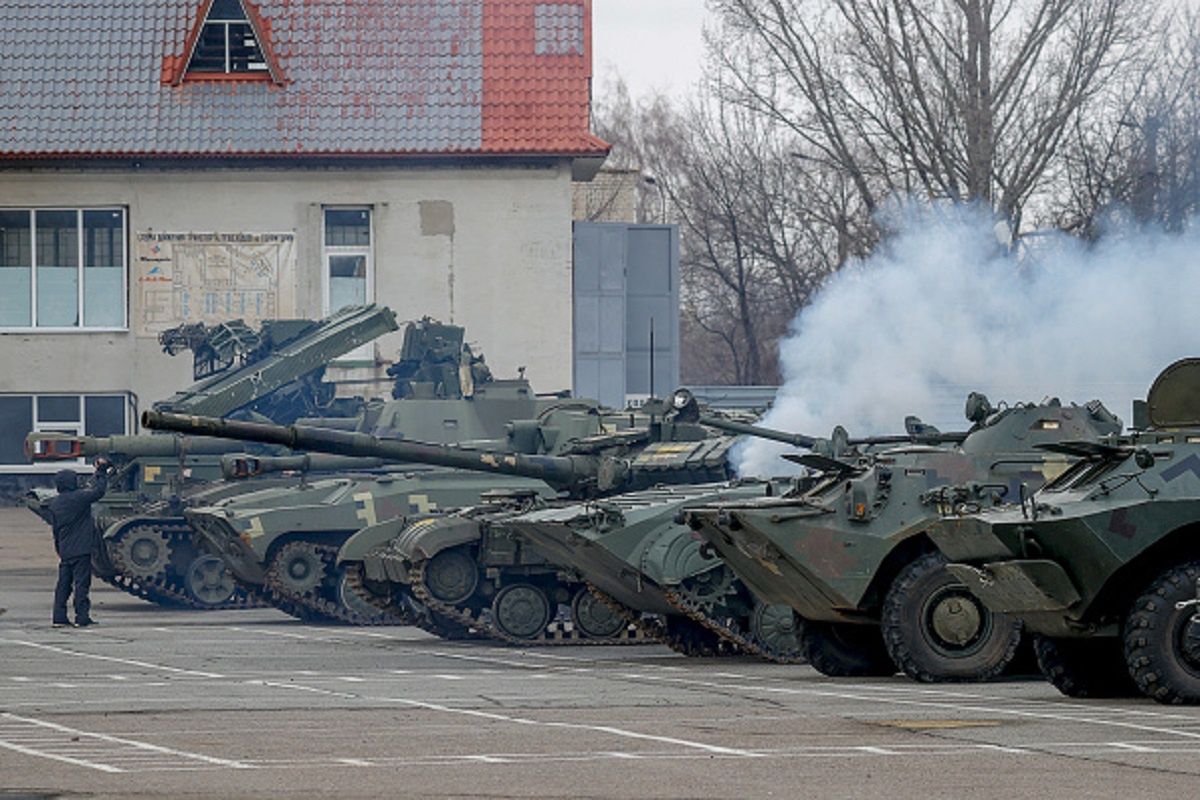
[(746, 429), (566, 472), (68, 447), (240, 466)]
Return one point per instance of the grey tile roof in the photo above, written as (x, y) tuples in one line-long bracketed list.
[(361, 77)]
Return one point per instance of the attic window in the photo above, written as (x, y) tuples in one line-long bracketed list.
[(227, 43)]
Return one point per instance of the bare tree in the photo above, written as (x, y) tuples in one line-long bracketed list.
[(968, 100), (1137, 158)]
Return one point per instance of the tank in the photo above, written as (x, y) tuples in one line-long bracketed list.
[(635, 549), (851, 555), (467, 569), (284, 541), (1102, 564), (277, 370)]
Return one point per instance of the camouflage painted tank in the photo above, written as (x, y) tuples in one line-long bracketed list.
[(277, 371), (853, 558), (635, 549), (654, 572), (467, 568), (285, 540), (1103, 564)]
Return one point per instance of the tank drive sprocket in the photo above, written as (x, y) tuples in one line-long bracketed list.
[(144, 552), (303, 577)]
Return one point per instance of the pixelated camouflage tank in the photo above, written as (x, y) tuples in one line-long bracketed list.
[(466, 569), (635, 549), (853, 558), (273, 373), (285, 540), (1102, 564)]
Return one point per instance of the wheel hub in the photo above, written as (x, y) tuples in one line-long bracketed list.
[(956, 620), (145, 552), (300, 569), (776, 628), (451, 576), (593, 617), (709, 588), (522, 611), (208, 580)]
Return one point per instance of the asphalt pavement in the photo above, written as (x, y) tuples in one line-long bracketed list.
[(167, 703)]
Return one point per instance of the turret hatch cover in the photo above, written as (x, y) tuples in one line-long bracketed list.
[(1174, 399)]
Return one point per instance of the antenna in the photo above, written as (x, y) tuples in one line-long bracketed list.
[(652, 356)]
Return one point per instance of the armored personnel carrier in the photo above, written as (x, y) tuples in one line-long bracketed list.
[(467, 567), (277, 371), (1102, 564), (853, 558), (285, 540)]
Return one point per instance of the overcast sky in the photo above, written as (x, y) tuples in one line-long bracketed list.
[(652, 44)]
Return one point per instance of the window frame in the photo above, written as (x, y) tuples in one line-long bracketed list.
[(80, 267), (365, 353), (75, 429)]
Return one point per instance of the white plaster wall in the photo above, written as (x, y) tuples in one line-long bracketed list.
[(504, 272)]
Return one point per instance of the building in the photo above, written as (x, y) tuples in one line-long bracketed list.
[(169, 161)]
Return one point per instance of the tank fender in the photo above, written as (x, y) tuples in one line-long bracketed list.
[(366, 539), (427, 537), (674, 556)]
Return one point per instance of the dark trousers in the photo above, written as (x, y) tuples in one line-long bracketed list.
[(74, 577)]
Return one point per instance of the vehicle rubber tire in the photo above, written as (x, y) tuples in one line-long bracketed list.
[(1154, 638), (1093, 667), (925, 588), (842, 650)]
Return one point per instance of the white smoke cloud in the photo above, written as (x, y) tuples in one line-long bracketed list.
[(940, 310)]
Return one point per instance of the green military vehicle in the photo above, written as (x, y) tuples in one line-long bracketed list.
[(467, 569), (852, 556), (1103, 563), (285, 540), (273, 373), (635, 548)]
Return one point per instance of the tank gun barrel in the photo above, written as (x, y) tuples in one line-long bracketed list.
[(561, 471), (950, 437), (239, 466), (746, 429), (67, 447)]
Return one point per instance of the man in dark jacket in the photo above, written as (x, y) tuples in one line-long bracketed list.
[(75, 539)]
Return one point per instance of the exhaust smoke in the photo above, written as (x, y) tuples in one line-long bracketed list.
[(940, 310)]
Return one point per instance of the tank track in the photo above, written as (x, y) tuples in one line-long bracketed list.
[(309, 606), (161, 588), (736, 639), (651, 628), (556, 633), (356, 583)]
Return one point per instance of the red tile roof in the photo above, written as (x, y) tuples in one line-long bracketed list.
[(373, 78)]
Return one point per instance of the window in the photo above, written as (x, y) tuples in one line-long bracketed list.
[(20, 414), (227, 44), (62, 268), (348, 268)]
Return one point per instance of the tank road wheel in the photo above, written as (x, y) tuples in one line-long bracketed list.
[(594, 618), (1161, 640), (144, 551), (1085, 667), (521, 610), (841, 650), (936, 630), (208, 581), (776, 629), (451, 576), (359, 606), (299, 568)]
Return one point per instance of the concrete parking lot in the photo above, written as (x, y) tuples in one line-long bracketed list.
[(165, 703)]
